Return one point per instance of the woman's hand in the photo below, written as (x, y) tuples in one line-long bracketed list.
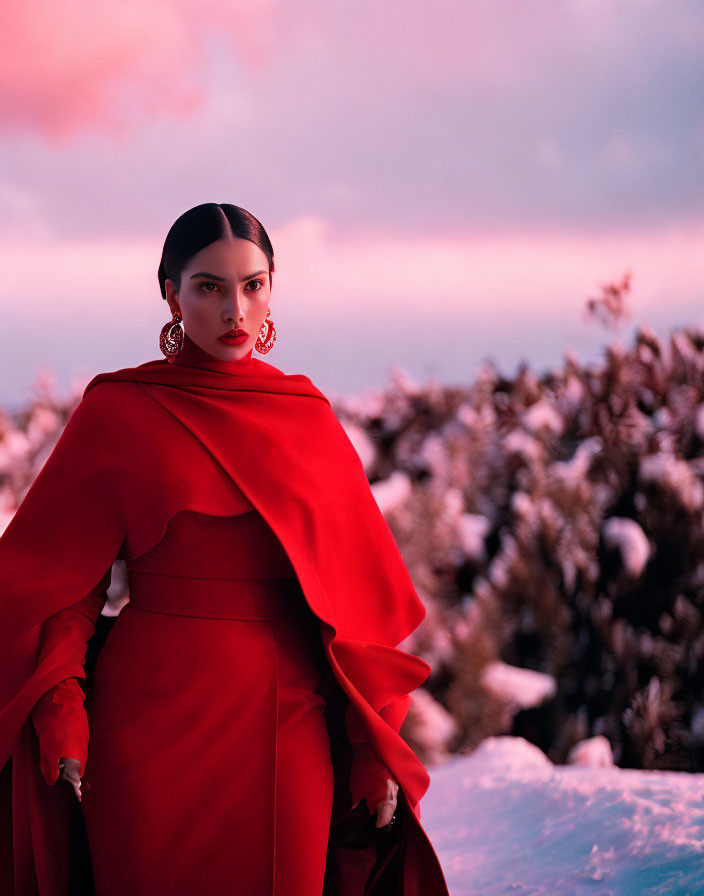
[(386, 807), (71, 772), (372, 781)]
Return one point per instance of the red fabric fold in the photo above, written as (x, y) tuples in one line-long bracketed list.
[(368, 776), (62, 728), (147, 441), (59, 716)]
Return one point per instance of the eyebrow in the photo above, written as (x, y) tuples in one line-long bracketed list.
[(222, 279)]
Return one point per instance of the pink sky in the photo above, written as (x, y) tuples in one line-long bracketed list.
[(441, 182)]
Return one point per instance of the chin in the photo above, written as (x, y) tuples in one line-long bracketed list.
[(232, 351)]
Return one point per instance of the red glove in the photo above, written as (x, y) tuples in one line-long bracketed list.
[(61, 724), (59, 715)]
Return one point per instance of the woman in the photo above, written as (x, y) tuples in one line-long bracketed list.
[(244, 711)]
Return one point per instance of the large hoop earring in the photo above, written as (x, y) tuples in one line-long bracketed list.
[(267, 335), (171, 338)]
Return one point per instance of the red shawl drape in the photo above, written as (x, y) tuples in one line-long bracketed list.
[(277, 437)]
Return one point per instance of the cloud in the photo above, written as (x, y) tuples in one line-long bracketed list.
[(85, 65), (72, 65), (80, 66), (410, 117)]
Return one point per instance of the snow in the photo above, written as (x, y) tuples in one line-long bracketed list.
[(362, 444), (595, 751), (524, 445), (43, 422), (676, 475), (14, 448), (543, 416), (630, 539), (572, 472), (433, 455), (472, 529), (433, 726), (392, 493), (505, 820), (522, 688)]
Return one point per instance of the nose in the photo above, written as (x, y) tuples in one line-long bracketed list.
[(235, 309)]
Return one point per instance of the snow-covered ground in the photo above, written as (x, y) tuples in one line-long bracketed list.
[(505, 820)]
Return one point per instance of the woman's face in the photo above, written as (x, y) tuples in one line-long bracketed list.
[(225, 286)]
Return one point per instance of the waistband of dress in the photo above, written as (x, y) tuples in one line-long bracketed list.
[(215, 598)]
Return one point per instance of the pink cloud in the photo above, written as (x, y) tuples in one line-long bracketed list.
[(82, 65), (65, 65), (78, 66)]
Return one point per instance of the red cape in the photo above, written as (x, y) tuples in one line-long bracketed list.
[(277, 437)]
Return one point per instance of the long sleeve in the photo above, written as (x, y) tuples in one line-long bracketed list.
[(368, 774), (66, 533), (59, 716)]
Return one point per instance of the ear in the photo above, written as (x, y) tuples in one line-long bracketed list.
[(271, 272), (172, 296)]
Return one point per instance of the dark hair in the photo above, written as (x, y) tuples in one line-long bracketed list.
[(199, 227)]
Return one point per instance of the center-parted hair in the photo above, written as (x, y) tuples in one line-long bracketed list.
[(199, 227)]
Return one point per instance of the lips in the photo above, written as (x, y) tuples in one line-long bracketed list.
[(236, 337)]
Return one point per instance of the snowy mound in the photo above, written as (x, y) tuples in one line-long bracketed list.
[(505, 820)]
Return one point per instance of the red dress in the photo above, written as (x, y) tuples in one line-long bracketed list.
[(216, 641), (208, 761)]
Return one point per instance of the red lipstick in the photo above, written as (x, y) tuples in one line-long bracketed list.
[(234, 337)]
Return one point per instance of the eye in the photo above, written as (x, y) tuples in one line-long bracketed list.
[(206, 284), (260, 282)]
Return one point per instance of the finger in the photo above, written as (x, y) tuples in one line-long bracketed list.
[(384, 811), (384, 816), (75, 782), (391, 793), (384, 805)]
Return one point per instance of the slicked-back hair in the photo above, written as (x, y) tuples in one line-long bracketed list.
[(199, 227)]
